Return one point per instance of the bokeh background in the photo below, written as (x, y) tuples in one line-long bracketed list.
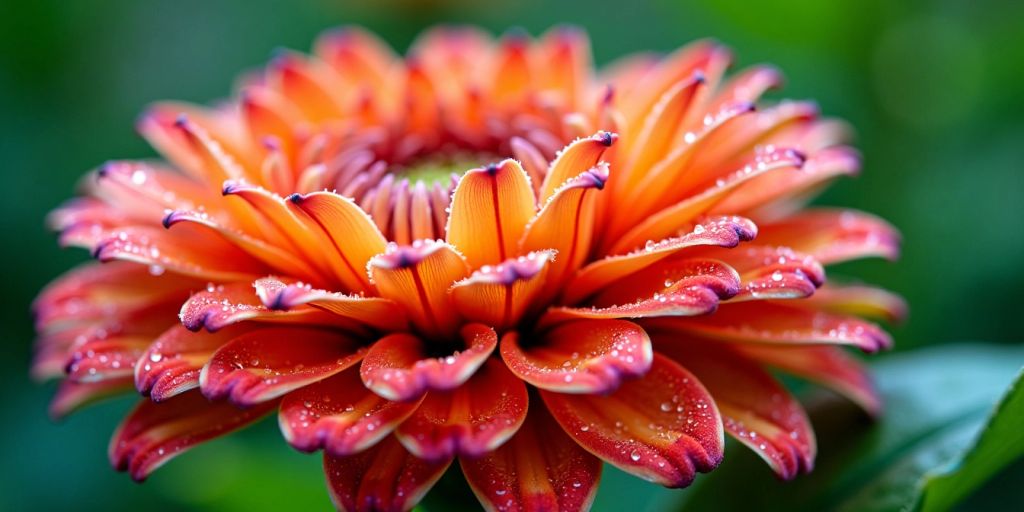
[(932, 88)]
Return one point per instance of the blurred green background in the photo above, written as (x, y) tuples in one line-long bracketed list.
[(932, 88)]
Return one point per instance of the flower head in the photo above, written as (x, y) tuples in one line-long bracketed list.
[(626, 256)]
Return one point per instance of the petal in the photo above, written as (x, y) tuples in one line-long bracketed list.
[(721, 232), (663, 428), (501, 295), (339, 415), (398, 367), (858, 300), (384, 477), (489, 211), (105, 358), (470, 420), (834, 236), (762, 322), (540, 468), (756, 409), (223, 305), (373, 311), (770, 272), (72, 396), (418, 277), (831, 367), (171, 365), (355, 236), (190, 250), (565, 224), (679, 288), (154, 433), (574, 159), (266, 363), (585, 356)]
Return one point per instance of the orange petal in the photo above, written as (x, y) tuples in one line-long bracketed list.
[(384, 477), (574, 159), (266, 363), (339, 415), (154, 433), (663, 427), (834, 236), (586, 356), (418, 277), (721, 232), (499, 296), (355, 236), (775, 323), (489, 211), (540, 468), (398, 367), (756, 409), (171, 365), (770, 272), (377, 312), (565, 224), (223, 305), (831, 367), (471, 420)]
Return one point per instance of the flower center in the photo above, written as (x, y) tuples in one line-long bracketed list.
[(439, 168)]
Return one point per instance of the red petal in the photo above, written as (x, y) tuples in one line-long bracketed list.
[(72, 396), (834, 236), (501, 295), (154, 433), (224, 305), (664, 427), (418, 277), (105, 358), (721, 232), (585, 356), (489, 211), (829, 366), (171, 365), (470, 420), (384, 477), (763, 322), (756, 409), (373, 311), (770, 272), (540, 468), (339, 415), (267, 363), (397, 367)]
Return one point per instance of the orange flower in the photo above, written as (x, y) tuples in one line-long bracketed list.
[(596, 294)]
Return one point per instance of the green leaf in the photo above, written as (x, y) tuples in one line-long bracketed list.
[(937, 400), (1000, 443)]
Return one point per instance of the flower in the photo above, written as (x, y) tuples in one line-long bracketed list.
[(613, 286)]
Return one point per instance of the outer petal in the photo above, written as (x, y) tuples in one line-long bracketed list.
[(267, 363), (855, 299), (398, 367), (339, 415), (72, 396), (470, 420), (154, 433), (756, 409), (171, 365), (489, 211), (377, 312), (584, 356), (664, 427), (384, 477), (223, 305), (770, 272), (105, 358), (539, 469), (721, 232), (759, 322), (500, 295), (418, 277), (829, 366), (834, 236)]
